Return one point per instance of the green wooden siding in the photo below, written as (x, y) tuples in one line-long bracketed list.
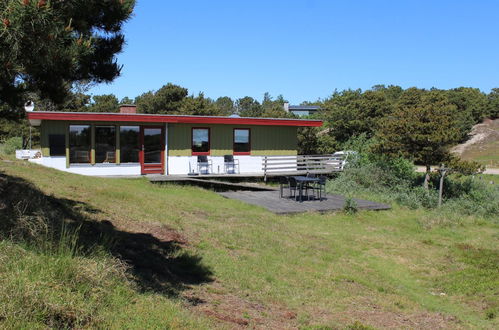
[(47, 128), (265, 140)]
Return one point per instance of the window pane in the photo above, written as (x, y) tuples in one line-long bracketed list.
[(200, 140), (105, 144), (242, 140), (79, 143), (129, 144), (57, 145), (153, 145)]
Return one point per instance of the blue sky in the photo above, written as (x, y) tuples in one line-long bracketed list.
[(305, 49)]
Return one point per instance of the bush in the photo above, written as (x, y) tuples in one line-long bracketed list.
[(395, 181), (12, 144), (350, 206)]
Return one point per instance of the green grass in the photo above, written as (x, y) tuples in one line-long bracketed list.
[(489, 178), (340, 270)]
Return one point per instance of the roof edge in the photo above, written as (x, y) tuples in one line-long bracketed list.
[(158, 118)]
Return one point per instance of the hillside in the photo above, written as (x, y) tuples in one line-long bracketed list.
[(483, 146), (149, 256)]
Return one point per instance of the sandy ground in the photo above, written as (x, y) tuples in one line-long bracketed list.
[(480, 134), (422, 169)]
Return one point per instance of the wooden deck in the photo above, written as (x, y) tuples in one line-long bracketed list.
[(215, 184), (272, 202), (180, 177)]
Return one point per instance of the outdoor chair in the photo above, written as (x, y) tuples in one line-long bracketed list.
[(231, 165), (310, 186), (293, 187), (320, 187), (205, 166), (82, 156), (110, 157), (283, 182)]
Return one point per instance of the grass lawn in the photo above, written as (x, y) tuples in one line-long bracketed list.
[(490, 178), (397, 268)]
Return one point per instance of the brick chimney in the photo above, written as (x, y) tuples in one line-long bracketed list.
[(128, 108)]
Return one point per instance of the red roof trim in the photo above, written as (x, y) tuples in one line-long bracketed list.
[(85, 116)]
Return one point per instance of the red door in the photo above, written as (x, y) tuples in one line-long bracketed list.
[(152, 155)]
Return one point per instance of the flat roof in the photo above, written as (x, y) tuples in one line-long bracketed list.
[(304, 107), (36, 116)]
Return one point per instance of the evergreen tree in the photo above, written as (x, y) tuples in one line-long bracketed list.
[(224, 106), (493, 103), (126, 100), (46, 46), (104, 103), (248, 107), (198, 106), (166, 100), (422, 127)]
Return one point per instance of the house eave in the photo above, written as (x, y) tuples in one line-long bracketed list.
[(148, 118)]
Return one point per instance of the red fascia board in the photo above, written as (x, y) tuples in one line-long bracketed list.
[(72, 116)]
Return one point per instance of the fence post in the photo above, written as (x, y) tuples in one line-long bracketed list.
[(443, 171), (264, 168)]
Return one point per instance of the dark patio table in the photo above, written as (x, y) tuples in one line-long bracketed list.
[(301, 180)]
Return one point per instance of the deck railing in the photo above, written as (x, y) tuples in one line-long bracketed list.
[(273, 165)]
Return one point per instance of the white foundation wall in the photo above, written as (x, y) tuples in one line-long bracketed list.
[(188, 164), (87, 169)]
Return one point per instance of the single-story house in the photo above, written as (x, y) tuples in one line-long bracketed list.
[(128, 143)]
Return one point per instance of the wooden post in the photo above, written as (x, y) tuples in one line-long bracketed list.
[(92, 143), (117, 153), (443, 170), (66, 138)]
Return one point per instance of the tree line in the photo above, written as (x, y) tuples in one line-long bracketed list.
[(351, 113), (174, 100), (52, 51)]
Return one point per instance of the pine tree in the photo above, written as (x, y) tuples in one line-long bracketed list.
[(423, 127), (46, 46)]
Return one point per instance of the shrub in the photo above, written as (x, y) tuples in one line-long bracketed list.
[(417, 197), (393, 180), (12, 144), (350, 206)]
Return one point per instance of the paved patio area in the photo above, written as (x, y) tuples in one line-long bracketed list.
[(272, 202)]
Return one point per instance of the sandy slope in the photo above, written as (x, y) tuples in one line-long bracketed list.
[(483, 146)]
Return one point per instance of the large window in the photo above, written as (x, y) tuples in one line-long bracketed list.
[(200, 141), (105, 144), (79, 143), (129, 144), (242, 144)]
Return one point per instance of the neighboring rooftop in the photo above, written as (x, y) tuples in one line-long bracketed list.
[(301, 110), (304, 107)]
